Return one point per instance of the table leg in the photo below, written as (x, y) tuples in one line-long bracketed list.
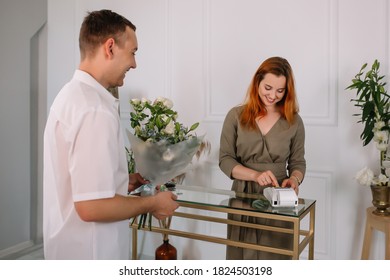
[(387, 242), (134, 243), (295, 255), (311, 230), (367, 240)]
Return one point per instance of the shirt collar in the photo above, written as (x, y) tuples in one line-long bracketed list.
[(89, 80)]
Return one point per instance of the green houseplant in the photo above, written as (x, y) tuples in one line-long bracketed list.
[(373, 101)]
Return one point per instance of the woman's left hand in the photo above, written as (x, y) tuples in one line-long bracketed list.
[(292, 183)]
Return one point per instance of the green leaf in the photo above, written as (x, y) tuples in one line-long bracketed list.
[(367, 133), (368, 108), (193, 127), (363, 67), (177, 127), (159, 122)]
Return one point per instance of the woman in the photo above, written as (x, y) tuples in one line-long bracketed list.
[(262, 145)]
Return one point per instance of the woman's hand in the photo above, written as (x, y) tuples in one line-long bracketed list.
[(266, 178), (291, 182)]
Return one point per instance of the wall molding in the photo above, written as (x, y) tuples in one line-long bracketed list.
[(168, 48), (325, 203), (327, 119)]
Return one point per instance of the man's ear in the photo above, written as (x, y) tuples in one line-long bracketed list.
[(109, 47)]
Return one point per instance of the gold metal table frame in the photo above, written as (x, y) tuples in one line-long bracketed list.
[(216, 200)]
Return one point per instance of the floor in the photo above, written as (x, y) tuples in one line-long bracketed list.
[(36, 253), (33, 253)]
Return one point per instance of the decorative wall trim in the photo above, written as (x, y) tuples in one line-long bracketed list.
[(168, 48), (206, 63), (328, 119), (324, 208), (387, 9)]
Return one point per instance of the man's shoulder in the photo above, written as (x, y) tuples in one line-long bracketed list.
[(68, 94)]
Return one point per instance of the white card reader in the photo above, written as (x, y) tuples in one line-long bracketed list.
[(281, 197)]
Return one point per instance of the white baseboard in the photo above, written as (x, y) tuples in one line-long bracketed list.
[(15, 249)]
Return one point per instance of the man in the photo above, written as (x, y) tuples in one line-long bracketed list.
[(86, 180)]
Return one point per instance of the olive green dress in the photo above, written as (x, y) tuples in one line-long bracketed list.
[(282, 151)]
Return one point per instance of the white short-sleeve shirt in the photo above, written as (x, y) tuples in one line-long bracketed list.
[(84, 159)]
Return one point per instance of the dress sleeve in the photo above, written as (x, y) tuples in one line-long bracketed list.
[(297, 150), (228, 149)]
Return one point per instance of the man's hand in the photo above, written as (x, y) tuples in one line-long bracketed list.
[(165, 205), (135, 181)]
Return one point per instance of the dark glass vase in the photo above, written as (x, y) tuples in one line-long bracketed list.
[(166, 251)]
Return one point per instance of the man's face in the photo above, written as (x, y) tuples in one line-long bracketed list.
[(123, 58)]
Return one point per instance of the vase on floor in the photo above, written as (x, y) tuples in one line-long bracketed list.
[(166, 251), (381, 199)]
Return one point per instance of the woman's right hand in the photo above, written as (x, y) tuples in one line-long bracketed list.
[(266, 178)]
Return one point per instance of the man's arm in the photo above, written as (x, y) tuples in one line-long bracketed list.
[(119, 207)]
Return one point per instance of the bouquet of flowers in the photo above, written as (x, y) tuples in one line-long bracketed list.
[(162, 147)]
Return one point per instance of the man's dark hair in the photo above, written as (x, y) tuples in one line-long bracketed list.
[(98, 26)]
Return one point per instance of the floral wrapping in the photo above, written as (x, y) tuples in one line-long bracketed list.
[(160, 162)]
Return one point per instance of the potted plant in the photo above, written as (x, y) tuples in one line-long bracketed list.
[(373, 101)]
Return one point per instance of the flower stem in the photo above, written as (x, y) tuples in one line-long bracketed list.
[(383, 156)]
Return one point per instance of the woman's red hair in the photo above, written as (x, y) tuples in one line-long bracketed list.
[(254, 107)]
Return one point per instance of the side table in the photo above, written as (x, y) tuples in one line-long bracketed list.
[(381, 223), (211, 201)]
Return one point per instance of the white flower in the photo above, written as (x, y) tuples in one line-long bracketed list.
[(170, 128), (382, 179), (145, 100), (167, 103), (365, 176), (159, 99), (381, 146), (381, 136), (379, 125), (135, 101)]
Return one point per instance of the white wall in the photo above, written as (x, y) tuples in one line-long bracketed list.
[(203, 53), (22, 92)]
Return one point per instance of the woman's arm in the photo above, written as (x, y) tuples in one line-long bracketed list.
[(262, 178)]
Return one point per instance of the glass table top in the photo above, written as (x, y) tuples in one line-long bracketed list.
[(208, 196)]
